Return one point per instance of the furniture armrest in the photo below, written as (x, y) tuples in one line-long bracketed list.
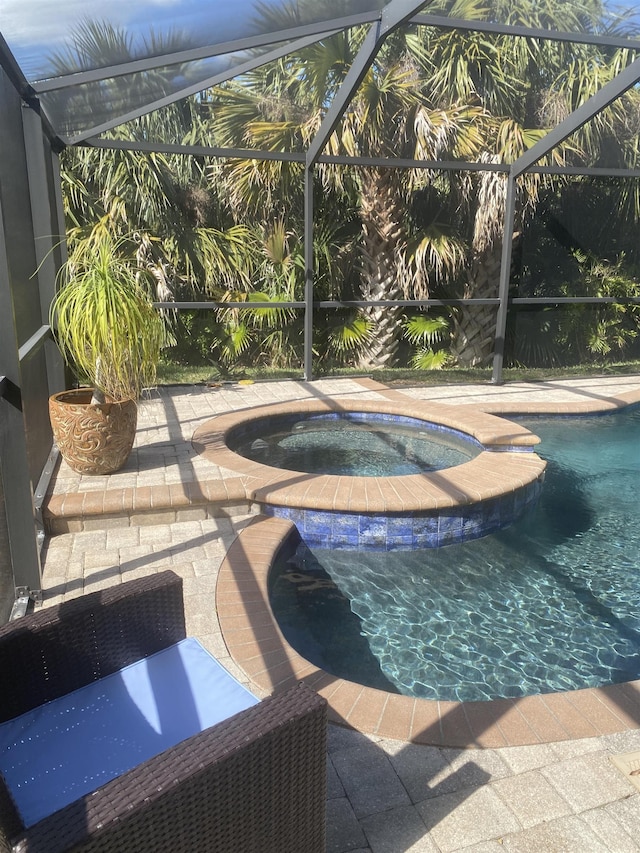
[(54, 651), (255, 783)]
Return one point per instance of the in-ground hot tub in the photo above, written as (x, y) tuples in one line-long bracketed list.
[(352, 444), (427, 509)]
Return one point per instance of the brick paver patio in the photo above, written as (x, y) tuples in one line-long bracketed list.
[(171, 507)]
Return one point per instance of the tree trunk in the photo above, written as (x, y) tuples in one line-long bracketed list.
[(381, 213), (474, 328)]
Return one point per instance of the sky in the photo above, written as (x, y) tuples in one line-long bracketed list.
[(34, 28)]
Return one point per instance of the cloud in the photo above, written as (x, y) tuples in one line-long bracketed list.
[(48, 21), (37, 28)]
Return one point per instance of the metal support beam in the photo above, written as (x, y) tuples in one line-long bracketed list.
[(505, 276), (308, 273), (35, 342), (10, 392), (14, 72), (393, 16), (195, 88), (344, 160), (22, 86), (47, 217), (405, 303), (524, 32), (352, 80), (248, 306), (195, 150), (150, 63), (14, 463), (399, 12)]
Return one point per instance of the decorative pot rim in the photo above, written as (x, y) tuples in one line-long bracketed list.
[(82, 397)]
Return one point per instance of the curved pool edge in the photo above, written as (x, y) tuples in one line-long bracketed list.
[(258, 647), (431, 509)]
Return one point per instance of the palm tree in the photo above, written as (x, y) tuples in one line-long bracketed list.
[(528, 87), (164, 203), (430, 94), (281, 108), (391, 118), (184, 235)]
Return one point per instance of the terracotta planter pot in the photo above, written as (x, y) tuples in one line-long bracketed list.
[(93, 438)]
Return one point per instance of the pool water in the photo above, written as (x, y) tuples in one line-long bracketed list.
[(350, 444), (549, 604)]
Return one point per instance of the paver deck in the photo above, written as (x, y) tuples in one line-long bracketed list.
[(404, 775)]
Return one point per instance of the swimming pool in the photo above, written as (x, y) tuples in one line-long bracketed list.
[(549, 604)]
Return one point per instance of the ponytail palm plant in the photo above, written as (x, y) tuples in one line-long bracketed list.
[(105, 323)]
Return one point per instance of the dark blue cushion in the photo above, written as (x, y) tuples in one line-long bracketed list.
[(60, 751)]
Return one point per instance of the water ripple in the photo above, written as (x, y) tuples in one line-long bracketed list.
[(549, 604)]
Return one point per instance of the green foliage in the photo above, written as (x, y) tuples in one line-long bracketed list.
[(232, 230), (104, 321), (233, 342), (596, 331), (533, 338), (572, 334), (426, 359), (425, 334), (349, 336), (196, 337)]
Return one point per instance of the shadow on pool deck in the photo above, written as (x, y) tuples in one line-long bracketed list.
[(387, 793)]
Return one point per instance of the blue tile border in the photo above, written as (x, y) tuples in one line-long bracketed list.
[(408, 531)]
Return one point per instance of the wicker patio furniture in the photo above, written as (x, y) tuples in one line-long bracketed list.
[(253, 783)]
